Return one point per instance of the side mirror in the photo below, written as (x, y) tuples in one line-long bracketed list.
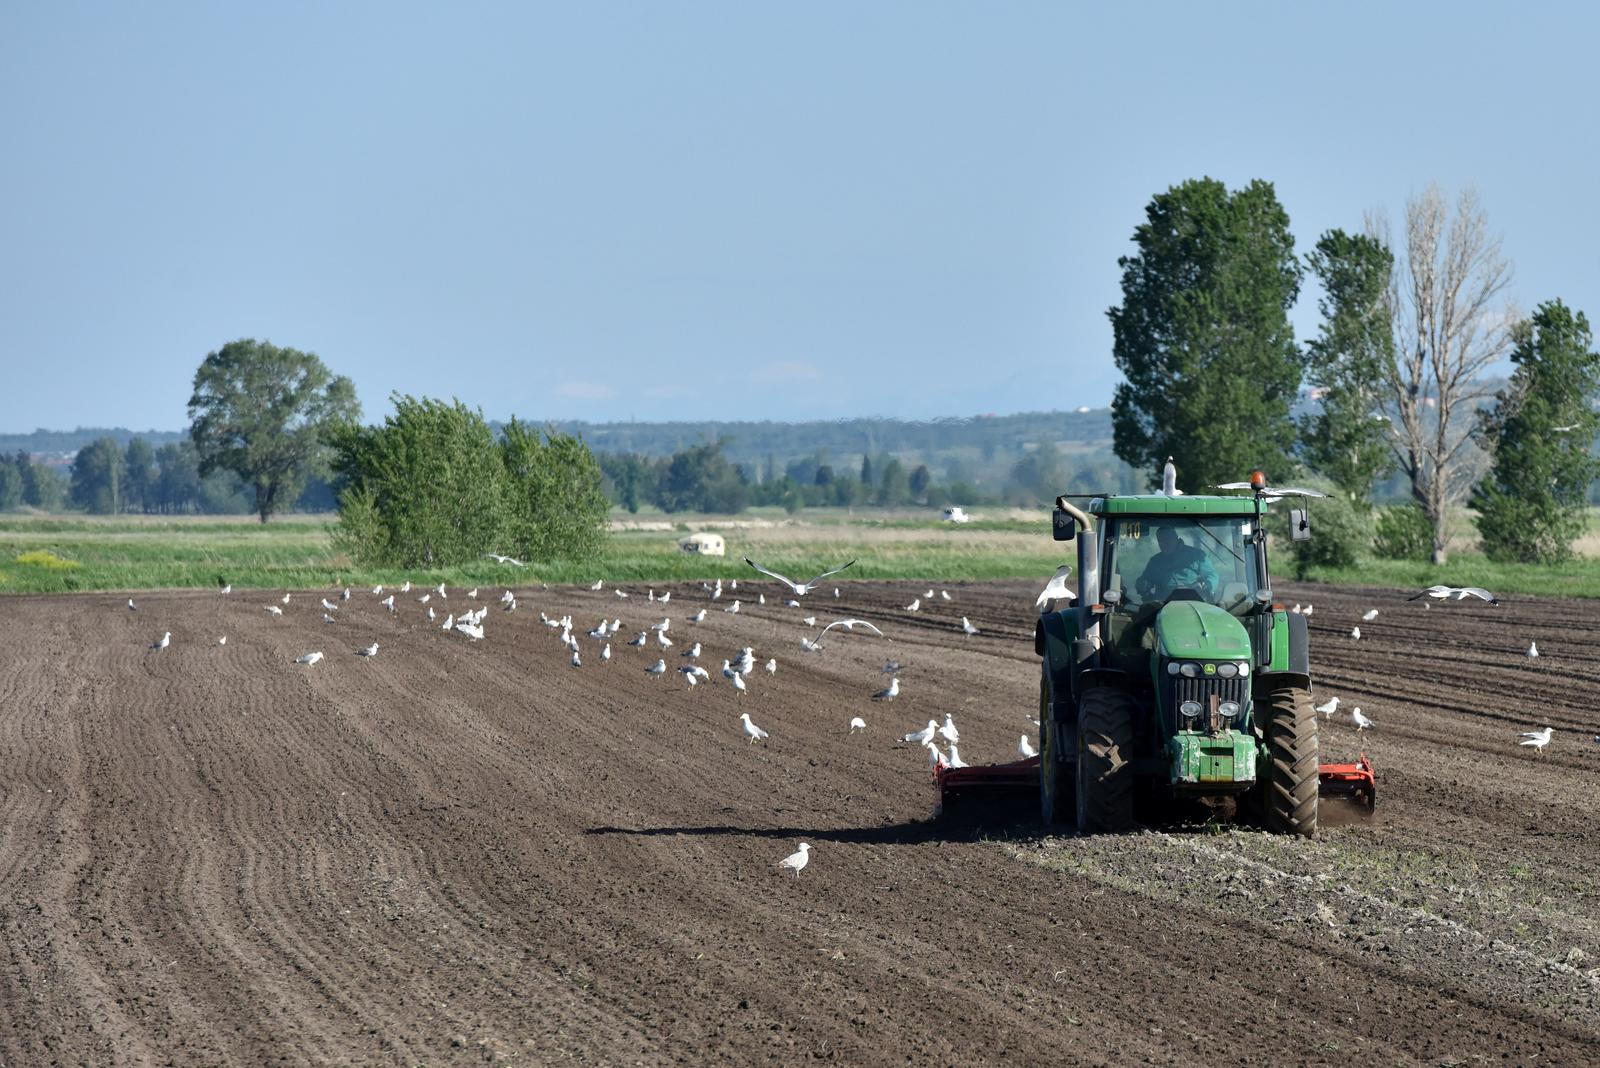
[(1062, 526), (1299, 524)]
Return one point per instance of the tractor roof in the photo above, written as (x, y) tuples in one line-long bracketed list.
[(1160, 504)]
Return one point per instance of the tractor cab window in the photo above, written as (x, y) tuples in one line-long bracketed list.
[(1154, 559)]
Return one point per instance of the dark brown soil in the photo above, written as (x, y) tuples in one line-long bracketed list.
[(458, 852)]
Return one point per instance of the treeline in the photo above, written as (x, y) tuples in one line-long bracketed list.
[(702, 478), (1410, 329), (111, 479)]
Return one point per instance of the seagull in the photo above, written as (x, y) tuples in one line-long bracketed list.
[(450, 622), (620, 593), (859, 724), (944, 595), (166, 640), (734, 607), (1360, 720), (130, 605), (800, 588), (1309, 609), (605, 654), (925, 735), (472, 594), (791, 603), (836, 593), (326, 618), (948, 732), (1369, 615), (1537, 739), (371, 650), (738, 682), (698, 617), (1533, 650), (1355, 632), (662, 639), (772, 666), (665, 597), (798, 860), (286, 598), (1566, 429), (475, 633), (598, 585), (440, 591), (890, 668), (1169, 480), (916, 603), (689, 677), (1055, 589), (810, 621), (754, 733), (1025, 747), (693, 653), (377, 591), (967, 628), (425, 598), (955, 757), (497, 558), (657, 669), (345, 596), (407, 587), (809, 646), (891, 693), (1328, 707), (928, 595), (1456, 593), (222, 640), (643, 637), (761, 598), (576, 660), (388, 602), (935, 758), (852, 624), (227, 589), (329, 606), (274, 609), (309, 658)]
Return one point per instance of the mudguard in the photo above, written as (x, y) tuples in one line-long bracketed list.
[(1289, 662)]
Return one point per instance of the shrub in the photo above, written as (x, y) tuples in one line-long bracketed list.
[(1404, 533), (44, 558), (556, 507)]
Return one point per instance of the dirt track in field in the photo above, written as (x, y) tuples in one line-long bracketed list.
[(459, 852)]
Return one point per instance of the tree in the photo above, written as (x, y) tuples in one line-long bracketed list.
[(428, 488), (97, 477), (921, 479), (556, 508), (45, 489), (866, 471), (177, 479), (1040, 474), (1202, 336), (895, 486), (139, 476), (1442, 302), (1533, 502), (263, 412), (1348, 362), (700, 479), (10, 485)]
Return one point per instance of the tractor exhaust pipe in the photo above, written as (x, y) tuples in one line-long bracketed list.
[(1088, 642)]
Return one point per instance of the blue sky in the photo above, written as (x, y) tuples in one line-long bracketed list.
[(697, 210)]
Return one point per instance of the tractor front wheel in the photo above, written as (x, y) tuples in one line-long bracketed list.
[(1290, 789), (1104, 776)]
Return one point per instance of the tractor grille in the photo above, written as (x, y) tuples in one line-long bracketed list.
[(1202, 688)]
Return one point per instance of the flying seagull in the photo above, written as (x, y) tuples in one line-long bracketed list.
[(800, 588), (1455, 593), (1537, 739), (497, 558), (797, 860), (1566, 429), (851, 624)]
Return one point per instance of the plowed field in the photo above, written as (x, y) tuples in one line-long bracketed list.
[(457, 852)]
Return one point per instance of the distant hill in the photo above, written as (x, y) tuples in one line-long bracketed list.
[(67, 442)]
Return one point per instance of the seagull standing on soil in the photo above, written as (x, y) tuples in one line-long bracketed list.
[(309, 658), (1355, 632), (371, 650), (1328, 707), (935, 758), (859, 724), (274, 609), (738, 683), (800, 588), (1533, 650), (1369, 615), (1538, 739), (772, 666), (948, 732), (605, 653), (734, 607), (795, 861), (751, 731), (131, 608), (657, 669), (698, 617), (915, 605), (925, 735), (1025, 747), (967, 628), (955, 757), (1360, 720), (944, 595), (891, 693), (166, 640)]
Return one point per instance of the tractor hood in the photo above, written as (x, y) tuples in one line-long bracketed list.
[(1194, 630)]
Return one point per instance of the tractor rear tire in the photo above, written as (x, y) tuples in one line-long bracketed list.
[(1104, 776), (1290, 790), (1055, 775)]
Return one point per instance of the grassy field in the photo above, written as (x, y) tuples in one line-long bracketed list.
[(58, 554)]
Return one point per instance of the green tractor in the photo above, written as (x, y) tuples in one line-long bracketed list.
[(1173, 677)]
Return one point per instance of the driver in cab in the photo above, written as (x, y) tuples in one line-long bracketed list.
[(1177, 566)]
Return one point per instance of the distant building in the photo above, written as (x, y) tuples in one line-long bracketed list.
[(954, 514), (702, 543)]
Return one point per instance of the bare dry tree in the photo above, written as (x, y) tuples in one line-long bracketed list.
[(1450, 324)]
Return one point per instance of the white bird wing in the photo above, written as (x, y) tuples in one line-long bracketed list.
[(851, 624), (1232, 485), (816, 581), (1476, 591), (789, 582), (1056, 587), (1293, 491)]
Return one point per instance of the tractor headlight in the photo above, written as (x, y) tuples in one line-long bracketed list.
[(1228, 710), (1189, 669), (1227, 669), (1172, 667), (1190, 709), (1244, 670)]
